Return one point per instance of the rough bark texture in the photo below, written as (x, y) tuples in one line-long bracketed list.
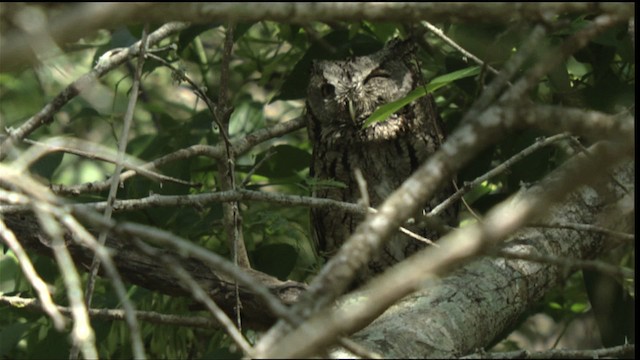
[(138, 268), (485, 299)]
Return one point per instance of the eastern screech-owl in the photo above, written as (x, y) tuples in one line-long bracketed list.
[(340, 97)]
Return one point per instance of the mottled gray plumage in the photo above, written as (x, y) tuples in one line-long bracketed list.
[(340, 97)]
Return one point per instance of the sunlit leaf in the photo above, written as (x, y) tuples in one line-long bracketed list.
[(383, 112)]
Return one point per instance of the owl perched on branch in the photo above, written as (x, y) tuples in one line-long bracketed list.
[(341, 95)]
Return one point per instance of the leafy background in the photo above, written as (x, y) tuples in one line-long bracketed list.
[(269, 73)]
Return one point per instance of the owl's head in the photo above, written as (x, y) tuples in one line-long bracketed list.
[(343, 94)]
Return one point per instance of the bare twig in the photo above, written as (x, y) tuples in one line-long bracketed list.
[(362, 186), (491, 92), (568, 263), (48, 306), (616, 352), (118, 314), (459, 48), (241, 146), (586, 227), (83, 335), (496, 171), (108, 63), (199, 295), (45, 206), (187, 248), (255, 167), (226, 168), (455, 249), (471, 137), (136, 339), (556, 56), (95, 152)]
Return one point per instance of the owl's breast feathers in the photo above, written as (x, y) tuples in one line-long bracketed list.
[(386, 153)]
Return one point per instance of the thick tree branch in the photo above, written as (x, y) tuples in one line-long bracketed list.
[(459, 148), (81, 20), (138, 268), (473, 135), (468, 309)]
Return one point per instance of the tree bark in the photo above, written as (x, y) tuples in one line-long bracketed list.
[(147, 271), (458, 314), (486, 299)]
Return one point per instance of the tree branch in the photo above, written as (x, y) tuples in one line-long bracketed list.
[(107, 63), (118, 314), (481, 300), (82, 20)]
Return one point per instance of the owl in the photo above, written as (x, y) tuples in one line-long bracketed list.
[(341, 95)]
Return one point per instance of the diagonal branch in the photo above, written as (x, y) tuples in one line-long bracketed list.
[(107, 63), (473, 303)]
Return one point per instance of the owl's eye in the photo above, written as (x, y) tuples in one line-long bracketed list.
[(327, 90), (378, 73)]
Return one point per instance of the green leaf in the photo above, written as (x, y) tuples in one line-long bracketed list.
[(384, 111), (187, 35), (247, 117), (579, 308), (555, 306), (284, 161), (445, 79), (10, 336)]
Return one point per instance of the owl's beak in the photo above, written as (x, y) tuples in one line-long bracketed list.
[(352, 111)]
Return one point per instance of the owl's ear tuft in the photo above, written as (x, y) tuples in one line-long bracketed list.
[(400, 47)]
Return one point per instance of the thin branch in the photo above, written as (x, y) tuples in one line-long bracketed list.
[(200, 295), (200, 200), (529, 47), (108, 62), (569, 264), (241, 146), (455, 45), (30, 273), (46, 207), (255, 167), (616, 352), (115, 178), (136, 338), (586, 227), (188, 248), (82, 333), (226, 168), (94, 151), (81, 235), (556, 56), (468, 186), (358, 349), (455, 249), (118, 314), (472, 136)]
